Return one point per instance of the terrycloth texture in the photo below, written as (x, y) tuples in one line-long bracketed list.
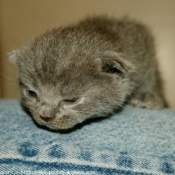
[(133, 142)]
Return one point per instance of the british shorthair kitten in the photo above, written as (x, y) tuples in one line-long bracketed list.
[(90, 69)]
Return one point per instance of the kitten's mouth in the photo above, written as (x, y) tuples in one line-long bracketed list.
[(62, 123)]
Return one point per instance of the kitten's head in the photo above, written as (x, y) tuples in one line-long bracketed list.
[(69, 75)]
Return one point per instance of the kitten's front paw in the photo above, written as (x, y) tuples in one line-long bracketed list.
[(148, 100)]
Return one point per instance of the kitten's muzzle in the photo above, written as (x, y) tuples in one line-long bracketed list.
[(47, 113)]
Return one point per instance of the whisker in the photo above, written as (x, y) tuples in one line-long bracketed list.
[(11, 79), (9, 68), (14, 85)]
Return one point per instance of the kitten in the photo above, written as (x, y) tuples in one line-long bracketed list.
[(90, 69)]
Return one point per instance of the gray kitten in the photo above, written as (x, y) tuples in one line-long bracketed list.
[(90, 69)]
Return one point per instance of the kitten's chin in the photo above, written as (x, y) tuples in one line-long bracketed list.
[(61, 124), (52, 127)]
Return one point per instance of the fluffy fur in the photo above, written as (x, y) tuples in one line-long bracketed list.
[(90, 69)]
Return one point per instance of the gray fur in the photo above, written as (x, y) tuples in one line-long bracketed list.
[(88, 70)]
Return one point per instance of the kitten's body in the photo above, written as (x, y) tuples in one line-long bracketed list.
[(70, 74)]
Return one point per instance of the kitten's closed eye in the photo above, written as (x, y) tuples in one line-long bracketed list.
[(113, 67), (111, 70), (32, 93), (71, 101)]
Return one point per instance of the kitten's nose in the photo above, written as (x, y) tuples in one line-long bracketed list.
[(45, 118), (46, 113)]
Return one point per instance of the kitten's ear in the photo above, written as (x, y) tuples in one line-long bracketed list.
[(114, 63), (13, 56)]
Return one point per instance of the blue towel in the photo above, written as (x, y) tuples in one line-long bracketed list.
[(135, 141)]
